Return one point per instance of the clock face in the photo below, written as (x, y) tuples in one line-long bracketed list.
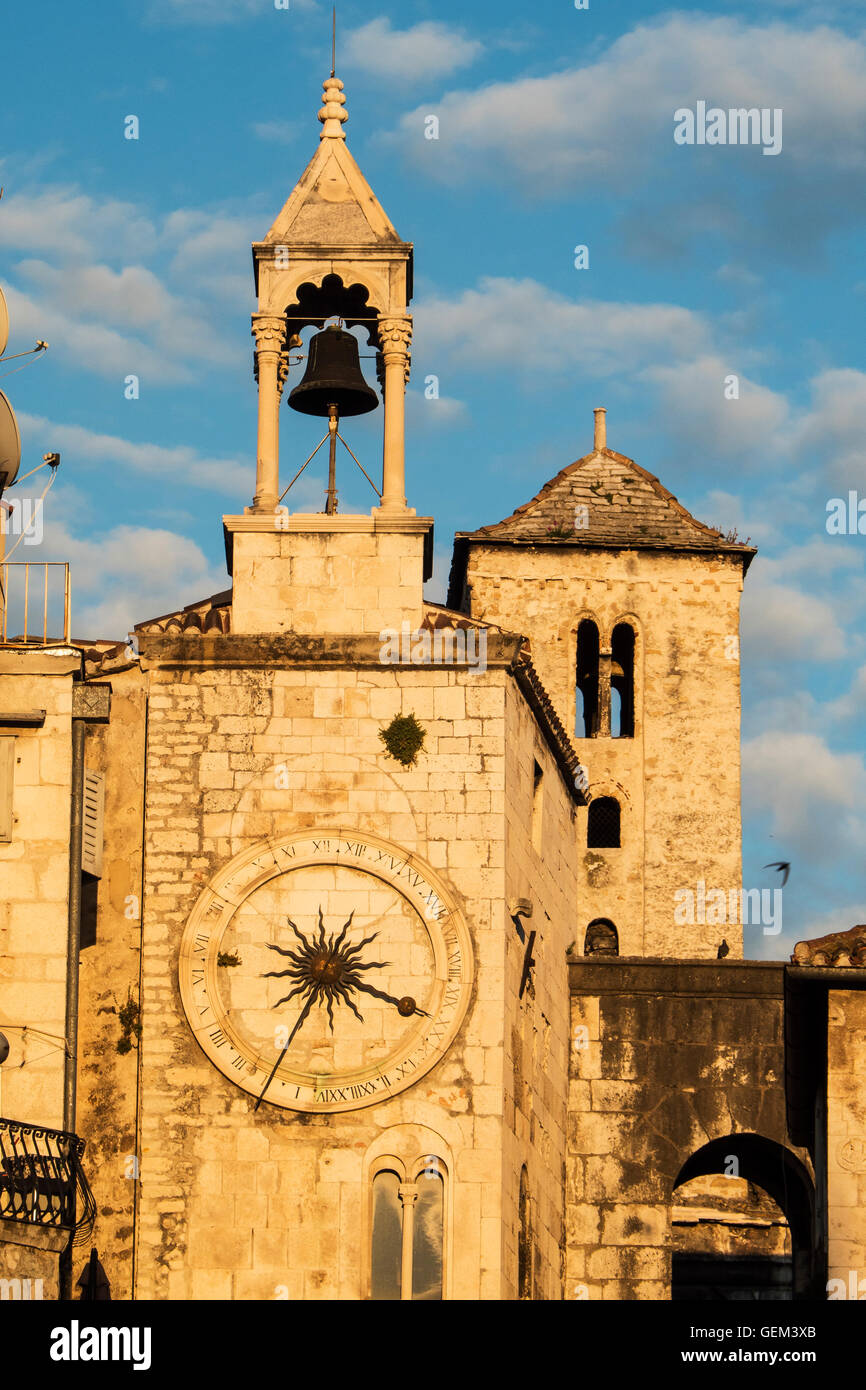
[(325, 971)]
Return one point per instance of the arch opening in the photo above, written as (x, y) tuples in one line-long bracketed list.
[(742, 1223)]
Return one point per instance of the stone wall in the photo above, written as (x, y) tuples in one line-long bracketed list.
[(678, 779), (275, 1204), (328, 574), (846, 1141), (666, 1061), (34, 887), (542, 868)]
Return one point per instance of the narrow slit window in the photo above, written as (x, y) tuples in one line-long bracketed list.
[(537, 806), (427, 1238), (622, 682), (7, 782), (524, 1242), (586, 687), (387, 1237)]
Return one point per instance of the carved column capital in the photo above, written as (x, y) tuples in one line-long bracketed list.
[(269, 331), (395, 340)]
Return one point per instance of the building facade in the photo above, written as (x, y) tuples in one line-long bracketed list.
[(358, 921)]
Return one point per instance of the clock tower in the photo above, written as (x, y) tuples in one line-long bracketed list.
[(359, 878)]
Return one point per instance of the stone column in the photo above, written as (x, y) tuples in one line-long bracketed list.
[(269, 331), (408, 1196), (395, 337)]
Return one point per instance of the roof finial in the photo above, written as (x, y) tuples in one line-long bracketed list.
[(334, 45), (332, 115), (600, 441)]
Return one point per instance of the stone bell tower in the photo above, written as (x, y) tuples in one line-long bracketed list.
[(332, 252), (633, 609)]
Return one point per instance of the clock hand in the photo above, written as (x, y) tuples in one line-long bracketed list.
[(280, 1055), (406, 1006)]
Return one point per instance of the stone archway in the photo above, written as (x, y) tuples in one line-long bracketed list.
[(739, 1255)]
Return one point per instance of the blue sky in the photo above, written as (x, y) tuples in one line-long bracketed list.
[(555, 130)]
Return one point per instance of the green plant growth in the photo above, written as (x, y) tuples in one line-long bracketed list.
[(404, 739), (129, 1017)]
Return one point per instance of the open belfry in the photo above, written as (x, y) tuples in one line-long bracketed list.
[(354, 946)]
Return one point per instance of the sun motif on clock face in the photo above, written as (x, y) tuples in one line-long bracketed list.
[(330, 971), (345, 970)]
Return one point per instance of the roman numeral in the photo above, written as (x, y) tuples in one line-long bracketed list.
[(328, 1094), (218, 1037)]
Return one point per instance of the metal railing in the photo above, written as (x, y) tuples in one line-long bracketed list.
[(26, 602), (41, 1176)]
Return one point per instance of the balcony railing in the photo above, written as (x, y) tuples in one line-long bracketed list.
[(41, 1178), (34, 606)]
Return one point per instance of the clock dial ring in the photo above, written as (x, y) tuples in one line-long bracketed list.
[(387, 1060)]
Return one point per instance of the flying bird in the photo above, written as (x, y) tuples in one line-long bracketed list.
[(783, 867)]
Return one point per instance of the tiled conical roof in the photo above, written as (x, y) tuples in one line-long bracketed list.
[(625, 506)]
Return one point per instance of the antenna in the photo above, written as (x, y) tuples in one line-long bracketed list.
[(334, 44), (10, 444)]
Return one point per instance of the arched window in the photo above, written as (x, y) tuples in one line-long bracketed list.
[(586, 721), (408, 1234), (602, 938), (524, 1241), (603, 823), (622, 682), (387, 1237)]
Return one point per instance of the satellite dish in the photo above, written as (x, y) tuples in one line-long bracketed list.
[(4, 324), (10, 444)]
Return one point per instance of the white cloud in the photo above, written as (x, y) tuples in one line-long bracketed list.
[(427, 50), (91, 297), (71, 225), (692, 398), (179, 462), (521, 325), (784, 623), (850, 706), (559, 132), (834, 429), (277, 132), (802, 784), (442, 413), (133, 574), (214, 12)]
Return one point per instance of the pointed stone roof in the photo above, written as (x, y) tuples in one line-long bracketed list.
[(625, 507), (332, 204), (603, 501)]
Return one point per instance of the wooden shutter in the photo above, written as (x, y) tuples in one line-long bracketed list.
[(7, 782), (94, 811)]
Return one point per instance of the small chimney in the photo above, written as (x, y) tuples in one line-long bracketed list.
[(600, 441)]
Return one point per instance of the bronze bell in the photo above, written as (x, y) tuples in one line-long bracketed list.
[(333, 377)]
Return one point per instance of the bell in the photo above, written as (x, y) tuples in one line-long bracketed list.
[(333, 377)]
